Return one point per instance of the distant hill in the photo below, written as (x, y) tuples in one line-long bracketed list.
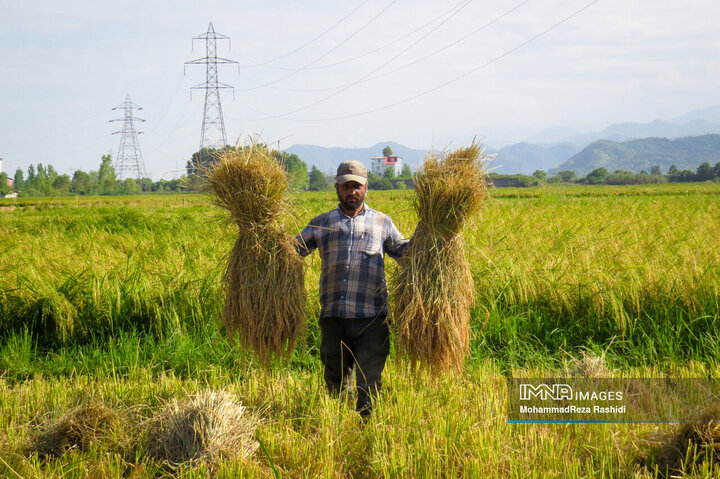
[(655, 129), (703, 121), (327, 159), (525, 157), (550, 149), (711, 114), (642, 154), (519, 158)]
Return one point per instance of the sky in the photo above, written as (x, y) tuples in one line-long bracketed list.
[(343, 73)]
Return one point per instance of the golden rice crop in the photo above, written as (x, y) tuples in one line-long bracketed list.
[(80, 427), (264, 281), (691, 445), (433, 288), (209, 425)]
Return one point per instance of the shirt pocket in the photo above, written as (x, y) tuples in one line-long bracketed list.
[(371, 245)]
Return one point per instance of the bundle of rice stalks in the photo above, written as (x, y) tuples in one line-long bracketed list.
[(590, 365), (433, 286), (691, 446), (204, 427), (80, 427), (265, 290)]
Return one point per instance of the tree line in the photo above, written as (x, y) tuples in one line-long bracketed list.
[(40, 180), (601, 176)]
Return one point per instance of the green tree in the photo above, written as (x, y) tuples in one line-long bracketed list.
[(387, 151), (389, 172), (4, 184), (203, 159), (51, 174), (107, 181), (673, 170), (41, 178), (705, 172), (130, 187), (81, 183), (540, 175), (295, 168), (406, 172), (62, 184), (19, 180), (378, 183), (597, 176), (655, 170), (146, 184), (95, 186), (31, 180), (317, 181), (567, 176), (683, 176), (716, 170)]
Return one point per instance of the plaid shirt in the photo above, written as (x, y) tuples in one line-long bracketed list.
[(352, 281)]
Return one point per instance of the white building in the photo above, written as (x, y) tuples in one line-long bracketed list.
[(381, 163)]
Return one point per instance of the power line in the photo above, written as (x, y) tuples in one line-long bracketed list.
[(414, 62), (181, 118), (452, 44), (332, 95), (166, 108), (444, 84), (375, 50), (308, 42), (305, 67)]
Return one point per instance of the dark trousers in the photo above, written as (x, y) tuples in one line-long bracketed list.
[(360, 343)]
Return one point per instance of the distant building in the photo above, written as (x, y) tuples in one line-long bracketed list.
[(381, 163)]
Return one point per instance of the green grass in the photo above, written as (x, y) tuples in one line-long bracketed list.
[(119, 299)]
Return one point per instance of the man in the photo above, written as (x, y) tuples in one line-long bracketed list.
[(353, 239)]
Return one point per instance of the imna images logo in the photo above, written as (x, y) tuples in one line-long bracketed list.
[(544, 392), (558, 392)]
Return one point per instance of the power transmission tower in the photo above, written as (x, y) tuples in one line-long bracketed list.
[(213, 126), (129, 158)]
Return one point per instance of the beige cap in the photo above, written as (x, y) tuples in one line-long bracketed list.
[(351, 171)]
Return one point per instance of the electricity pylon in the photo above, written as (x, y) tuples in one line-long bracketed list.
[(129, 158), (213, 125)]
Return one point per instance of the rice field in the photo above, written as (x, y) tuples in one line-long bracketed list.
[(118, 301)]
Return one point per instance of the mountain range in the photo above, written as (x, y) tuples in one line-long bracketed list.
[(558, 148), (685, 153)]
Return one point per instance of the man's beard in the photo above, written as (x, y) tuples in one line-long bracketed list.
[(351, 202)]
